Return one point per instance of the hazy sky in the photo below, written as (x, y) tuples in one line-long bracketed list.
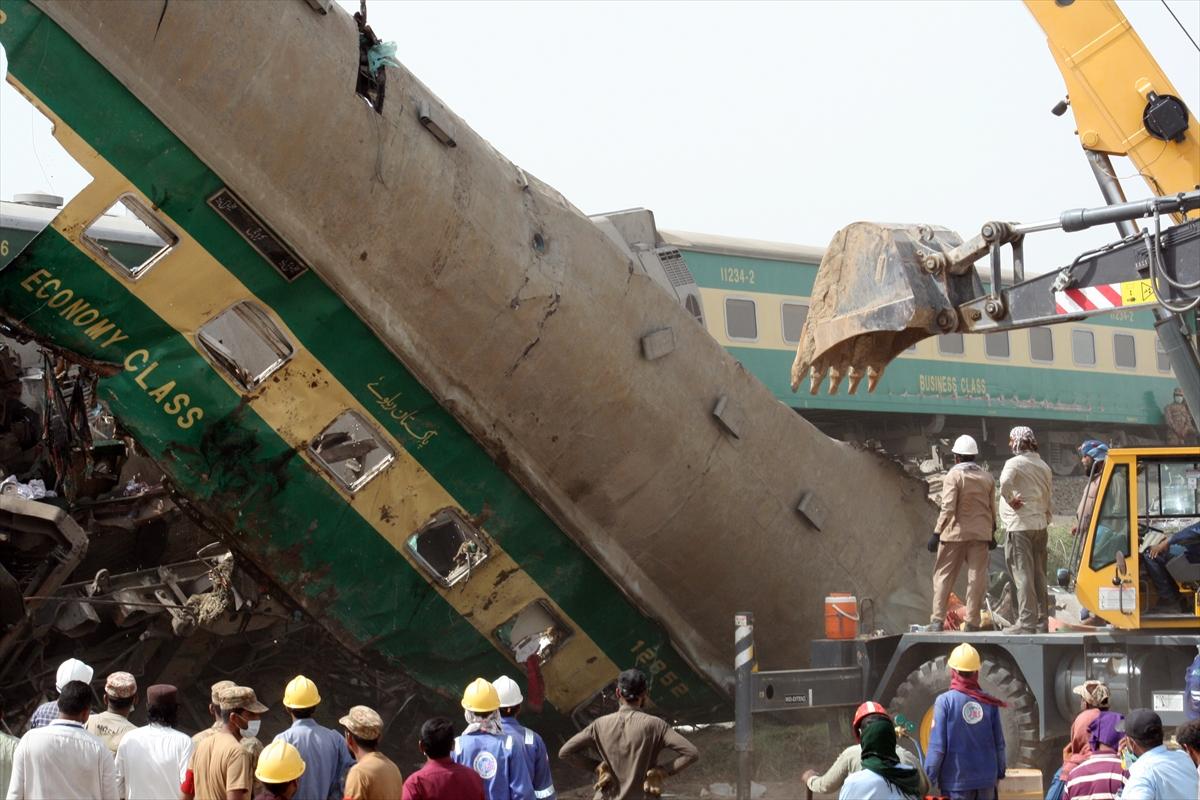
[(772, 120)]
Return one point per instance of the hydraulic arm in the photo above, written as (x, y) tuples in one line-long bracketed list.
[(882, 288)]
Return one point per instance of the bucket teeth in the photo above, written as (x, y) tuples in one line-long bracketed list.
[(816, 374), (873, 375), (835, 378), (856, 376)]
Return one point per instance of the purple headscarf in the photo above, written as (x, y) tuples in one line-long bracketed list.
[(1103, 733)]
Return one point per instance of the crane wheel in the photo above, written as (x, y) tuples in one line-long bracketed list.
[(914, 699)]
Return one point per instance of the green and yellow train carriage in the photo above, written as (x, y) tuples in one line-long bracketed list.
[(1106, 377), (271, 403)]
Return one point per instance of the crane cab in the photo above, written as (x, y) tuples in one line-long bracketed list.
[(1137, 560)]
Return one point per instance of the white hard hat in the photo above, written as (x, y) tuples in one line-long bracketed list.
[(72, 670), (509, 691), (965, 446)]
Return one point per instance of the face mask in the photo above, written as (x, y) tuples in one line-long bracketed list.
[(252, 727)]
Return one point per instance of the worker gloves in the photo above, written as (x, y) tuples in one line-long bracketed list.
[(604, 776), (653, 786), (934, 541)]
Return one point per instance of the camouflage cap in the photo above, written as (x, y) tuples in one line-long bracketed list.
[(217, 688), (240, 697), (120, 685), (363, 722)]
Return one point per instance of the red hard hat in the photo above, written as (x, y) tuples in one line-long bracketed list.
[(865, 710)]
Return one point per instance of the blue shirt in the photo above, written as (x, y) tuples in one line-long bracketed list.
[(966, 744), (326, 760), (44, 714), (499, 760), (536, 758), (1161, 774)]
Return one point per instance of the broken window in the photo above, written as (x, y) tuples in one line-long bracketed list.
[(351, 450), (536, 631), (601, 703), (246, 343), (130, 244), (449, 547)]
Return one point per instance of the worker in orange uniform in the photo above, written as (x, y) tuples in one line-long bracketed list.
[(964, 533)]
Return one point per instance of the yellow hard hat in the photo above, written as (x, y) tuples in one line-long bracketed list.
[(279, 762), (964, 658), (481, 697), (301, 693)]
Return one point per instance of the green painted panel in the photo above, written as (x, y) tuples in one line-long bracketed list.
[(938, 387), (739, 273), (12, 242)]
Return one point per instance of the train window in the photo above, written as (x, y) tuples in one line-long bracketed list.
[(950, 344), (449, 547), (1041, 344), (1124, 350), (246, 343), (740, 319), (1083, 347), (1160, 355), (793, 315), (996, 345), (351, 451), (1112, 526), (129, 245), (536, 631)]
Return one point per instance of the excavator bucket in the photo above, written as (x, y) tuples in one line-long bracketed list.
[(872, 300)]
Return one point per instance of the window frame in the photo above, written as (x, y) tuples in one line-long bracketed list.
[(725, 309), (783, 323), (1074, 355), (1039, 331), (560, 623), (1161, 357), (368, 476), (961, 338), (1007, 346), (1133, 344), (1121, 469), (460, 520), (218, 360), (147, 217)]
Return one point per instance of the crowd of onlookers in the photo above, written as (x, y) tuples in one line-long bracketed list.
[(70, 752), (1108, 756)]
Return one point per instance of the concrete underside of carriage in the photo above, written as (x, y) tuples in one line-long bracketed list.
[(534, 348)]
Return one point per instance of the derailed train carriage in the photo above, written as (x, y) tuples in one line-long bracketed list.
[(411, 385)]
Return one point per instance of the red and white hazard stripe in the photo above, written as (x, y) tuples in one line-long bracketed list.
[(1089, 298)]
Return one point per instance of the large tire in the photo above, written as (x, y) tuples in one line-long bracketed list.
[(914, 699)]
